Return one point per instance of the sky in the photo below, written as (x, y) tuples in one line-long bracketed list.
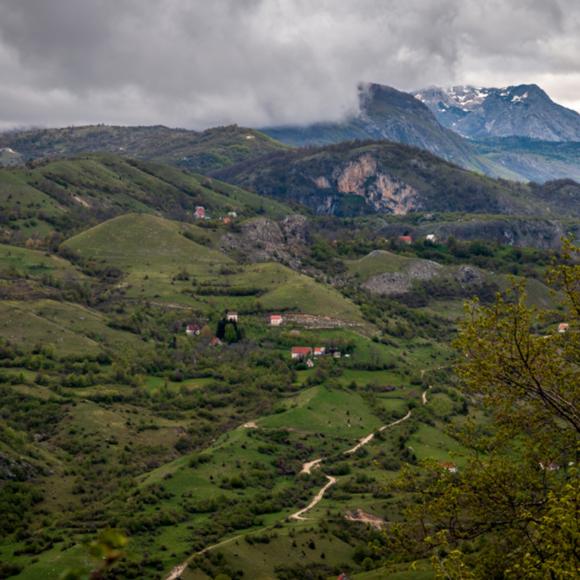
[(202, 63)]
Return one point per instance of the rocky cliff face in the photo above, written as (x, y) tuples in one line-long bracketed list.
[(521, 110), (379, 190)]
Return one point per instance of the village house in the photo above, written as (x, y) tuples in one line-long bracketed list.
[(563, 327), (319, 350), (200, 212), (300, 352), (276, 319), (337, 354), (193, 330), (232, 316), (226, 220), (431, 238), (406, 240), (310, 363), (449, 466)]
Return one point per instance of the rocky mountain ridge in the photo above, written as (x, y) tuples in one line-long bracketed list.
[(519, 110)]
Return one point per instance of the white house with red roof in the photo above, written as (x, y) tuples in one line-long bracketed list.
[(276, 319), (300, 352)]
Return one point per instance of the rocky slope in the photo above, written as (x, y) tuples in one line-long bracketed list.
[(381, 177), (520, 110)]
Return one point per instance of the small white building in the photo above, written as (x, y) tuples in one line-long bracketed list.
[(431, 238), (232, 316), (276, 319)]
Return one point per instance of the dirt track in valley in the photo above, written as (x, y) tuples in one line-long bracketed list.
[(307, 468)]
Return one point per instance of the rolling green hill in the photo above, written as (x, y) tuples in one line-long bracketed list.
[(198, 151), (67, 195)]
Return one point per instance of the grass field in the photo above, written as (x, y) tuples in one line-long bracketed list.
[(70, 328)]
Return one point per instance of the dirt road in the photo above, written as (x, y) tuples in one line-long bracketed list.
[(310, 465), (371, 436), (315, 500)]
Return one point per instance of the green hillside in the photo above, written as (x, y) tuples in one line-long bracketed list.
[(197, 151), (66, 195), (356, 178)]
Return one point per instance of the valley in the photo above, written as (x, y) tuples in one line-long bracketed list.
[(243, 390)]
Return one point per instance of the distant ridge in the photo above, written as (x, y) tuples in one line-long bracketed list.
[(515, 111)]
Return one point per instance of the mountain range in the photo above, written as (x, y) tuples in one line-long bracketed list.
[(515, 111), (434, 120), (517, 133)]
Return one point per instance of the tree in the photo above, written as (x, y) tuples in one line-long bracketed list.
[(512, 510)]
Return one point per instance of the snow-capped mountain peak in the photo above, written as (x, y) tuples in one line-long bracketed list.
[(518, 110)]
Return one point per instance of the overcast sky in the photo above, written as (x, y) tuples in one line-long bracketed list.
[(199, 63)]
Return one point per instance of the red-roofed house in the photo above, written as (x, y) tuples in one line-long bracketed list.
[(200, 212), (276, 319), (193, 330), (300, 352), (319, 350), (406, 239), (563, 327), (449, 466)]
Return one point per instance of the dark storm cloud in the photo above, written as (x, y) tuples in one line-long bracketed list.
[(197, 63)]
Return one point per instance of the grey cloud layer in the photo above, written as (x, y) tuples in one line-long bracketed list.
[(198, 63)]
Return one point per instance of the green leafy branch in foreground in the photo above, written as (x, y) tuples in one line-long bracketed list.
[(511, 511)]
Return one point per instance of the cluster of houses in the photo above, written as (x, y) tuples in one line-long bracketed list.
[(200, 214), (308, 353), (297, 353), (408, 240)]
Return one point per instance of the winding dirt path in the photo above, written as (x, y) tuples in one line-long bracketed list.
[(315, 500), (178, 571), (371, 436), (310, 465), (307, 468)]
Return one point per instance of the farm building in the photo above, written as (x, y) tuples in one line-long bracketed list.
[(193, 330), (232, 316), (563, 327), (276, 319), (406, 239), (200, 212), (449, 466), (319, 350), (431, 238), (300, 352)]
